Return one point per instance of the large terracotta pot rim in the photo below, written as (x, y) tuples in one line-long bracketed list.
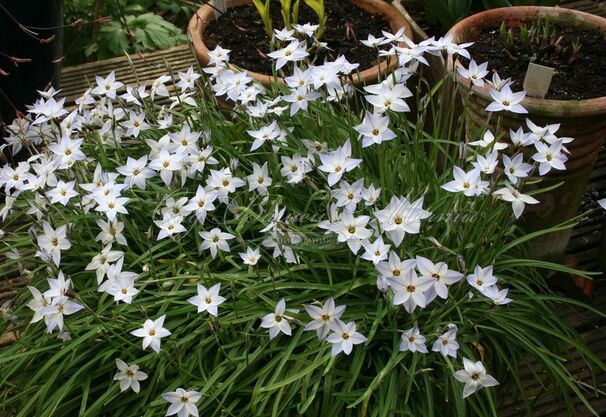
[(205, 14), (537, 106)]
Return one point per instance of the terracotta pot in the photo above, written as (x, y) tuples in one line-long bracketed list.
[(584, 120), (206, 14)]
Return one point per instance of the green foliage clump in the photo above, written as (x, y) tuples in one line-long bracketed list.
[(229, 357), (149, 32), (133, 26)]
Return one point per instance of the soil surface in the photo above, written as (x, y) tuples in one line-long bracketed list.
[(581, 78), (241, 31)]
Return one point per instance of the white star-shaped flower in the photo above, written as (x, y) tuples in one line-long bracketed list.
[(293, 52), (475, 73), (152, 332), (207, 299), (413, 341), (376, 251), (517, 199), (338, 162), (323, 317), (482, 278), (507, 100), (277, 322), (447, 344), (182, 403), (129, 376), (107, 86), (474, 376), (344, 337), (62, 193), (215, 240), (251, 256), (409, 289), (374, 129)]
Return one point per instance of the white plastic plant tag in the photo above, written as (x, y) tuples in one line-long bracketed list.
[(537, 80), (220, 8)]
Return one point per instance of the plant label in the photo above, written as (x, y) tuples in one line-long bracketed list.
[(537, 80), (220, 8)]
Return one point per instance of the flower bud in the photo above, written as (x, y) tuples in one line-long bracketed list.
[(461, 262)]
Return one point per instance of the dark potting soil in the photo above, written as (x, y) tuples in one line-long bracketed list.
[(241, 31), (583, 78)]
